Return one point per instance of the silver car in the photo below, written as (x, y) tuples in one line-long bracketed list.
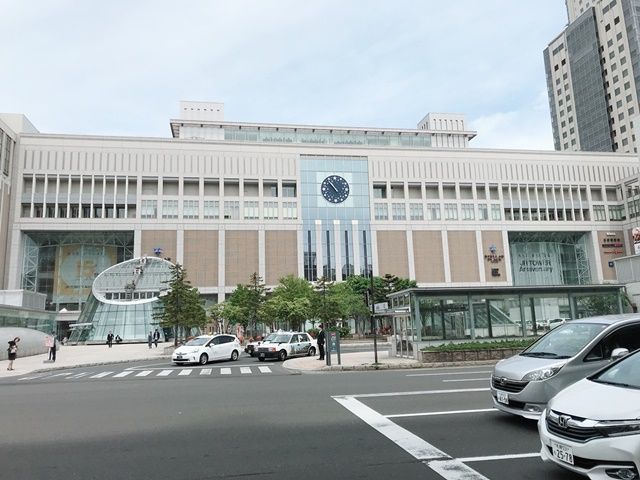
[(523, 384)]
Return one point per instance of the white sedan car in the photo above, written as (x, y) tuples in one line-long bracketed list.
[(206, 348), (593, 426)]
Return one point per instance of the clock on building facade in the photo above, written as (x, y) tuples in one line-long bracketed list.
[(335, 189)]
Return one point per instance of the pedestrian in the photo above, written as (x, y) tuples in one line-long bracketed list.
[(118, 339), (320, 341), (156, 337), (149, 339), (13, 352), (110, 339), (51, 343)]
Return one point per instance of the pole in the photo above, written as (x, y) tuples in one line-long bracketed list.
[(373, 325)]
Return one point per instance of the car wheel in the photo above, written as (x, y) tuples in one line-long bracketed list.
[(312, 352), (282, 355), (204, 359), (234, 355), (261, 359), (252, 354)]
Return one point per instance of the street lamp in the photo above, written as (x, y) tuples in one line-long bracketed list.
[(373, 325)]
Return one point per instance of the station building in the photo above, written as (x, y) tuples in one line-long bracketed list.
[(227, 199)]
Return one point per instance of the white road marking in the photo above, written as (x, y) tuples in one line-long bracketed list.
[(468, 380), (225, 371), (164, 373), (245, 370), (123, 374), (186, 371), (101, 374), (432, 457), (500, 457), (205, 371), (443, 374), (420, 392), (61, 374), (78, 375), (144, 373), (264, 369), (448, 412), (32, 377)]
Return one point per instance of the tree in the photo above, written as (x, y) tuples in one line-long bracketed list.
[(290, 302), (181, 307), (243, 306)]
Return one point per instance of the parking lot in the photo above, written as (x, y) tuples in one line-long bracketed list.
[(452, 427)]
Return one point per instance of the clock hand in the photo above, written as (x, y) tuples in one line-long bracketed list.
[(332, 185)]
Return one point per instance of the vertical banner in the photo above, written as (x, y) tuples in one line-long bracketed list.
[(636, 240)]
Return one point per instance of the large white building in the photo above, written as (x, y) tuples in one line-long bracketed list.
[(518, 235)]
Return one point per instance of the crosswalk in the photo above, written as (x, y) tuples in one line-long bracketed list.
[(154, 372)]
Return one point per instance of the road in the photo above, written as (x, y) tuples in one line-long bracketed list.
[(412, 424)]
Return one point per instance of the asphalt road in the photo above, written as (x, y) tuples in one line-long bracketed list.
[(369, 425)]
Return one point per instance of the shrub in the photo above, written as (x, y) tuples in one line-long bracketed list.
[(454, 347)]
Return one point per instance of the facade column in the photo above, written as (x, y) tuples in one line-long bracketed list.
[(445, 256), (356, 247), (597, 261), (410, 255), (180, 244), (221, 263), (262, 261), (319, 250), (137, 242), (374, 253), (480, 254), (300, 236), (507, 257), (337, 250)]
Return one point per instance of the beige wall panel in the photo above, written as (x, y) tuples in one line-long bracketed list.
[(241, 256), (281, 255), (165, 239), (463, 257), (611, 246), (392, 253), (427, 252), (201, 257), (492, 261)]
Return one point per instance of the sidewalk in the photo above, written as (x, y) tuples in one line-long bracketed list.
[(70, 356)]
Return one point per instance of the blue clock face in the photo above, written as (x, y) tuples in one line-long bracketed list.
[(335, 189)]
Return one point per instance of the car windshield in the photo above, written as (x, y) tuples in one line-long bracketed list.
[(565, 340), (196, 342), (270, 337), (280, 338), (625, 373)]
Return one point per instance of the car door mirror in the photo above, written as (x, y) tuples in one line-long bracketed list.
[(618, 353)]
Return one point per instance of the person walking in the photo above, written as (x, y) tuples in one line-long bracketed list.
[(110, 339), (149, 339), (13, 352), (320, 340), (156, 337), (51, 343)]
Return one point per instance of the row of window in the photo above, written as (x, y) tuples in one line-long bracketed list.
[(434, 211), (211, 210)]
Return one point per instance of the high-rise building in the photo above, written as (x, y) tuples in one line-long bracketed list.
[(593, 76)]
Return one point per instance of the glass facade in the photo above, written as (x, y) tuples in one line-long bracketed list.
[(549, 258), (122, 301), (335, 234), (63, 265)]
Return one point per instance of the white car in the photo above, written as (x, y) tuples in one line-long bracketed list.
[(593, 426), (288, 344), (252, 347), (206, 348)]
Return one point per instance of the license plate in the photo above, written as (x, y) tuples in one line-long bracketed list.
[(262, 355), (562, 452), (179, 356), (502, 397)]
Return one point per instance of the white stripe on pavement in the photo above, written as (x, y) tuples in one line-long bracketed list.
[(468, 380), (225, 371), (205, 371), (500, 457), (164, 373), (78, 375), (432, 457), (264, 369), (245, 370), (186, 371), (443, 374), (61, 374), (123, 374), (32, 377), (101, 374), (144, 373), (447, 412), (419, 392)]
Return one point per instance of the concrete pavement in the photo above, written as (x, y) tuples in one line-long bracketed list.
[(70, 356)]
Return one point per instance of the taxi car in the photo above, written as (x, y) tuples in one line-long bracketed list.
[(205, 348), (288, 344)]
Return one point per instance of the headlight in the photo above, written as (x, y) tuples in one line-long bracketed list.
[(618, 428), (542, 374), (272, 349)]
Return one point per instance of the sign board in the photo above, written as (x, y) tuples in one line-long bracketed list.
[(381, 307), (333, 346)]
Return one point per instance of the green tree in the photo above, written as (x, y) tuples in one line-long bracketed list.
[(181, 308), (290, 303)]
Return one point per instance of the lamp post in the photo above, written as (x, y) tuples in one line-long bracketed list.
[(373, 325)]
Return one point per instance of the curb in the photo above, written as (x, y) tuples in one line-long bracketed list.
[(388, 366)]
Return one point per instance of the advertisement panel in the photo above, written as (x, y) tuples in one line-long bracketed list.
[(76, 268), (536, 263)]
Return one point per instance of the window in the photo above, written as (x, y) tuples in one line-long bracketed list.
[(616, 213), (496, 213), (398, 211), (415, 211), (270, 211), (380, 211), (169, 208), (599, 213), (211, 209), (190, 209), (450, 211), (468, 212), (149, 209), (231, 210), (289, 191), (289, 210), (433, 211), (483, 212), (251, 210), (379, 191)]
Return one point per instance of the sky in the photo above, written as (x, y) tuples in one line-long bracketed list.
[(121, 67)]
